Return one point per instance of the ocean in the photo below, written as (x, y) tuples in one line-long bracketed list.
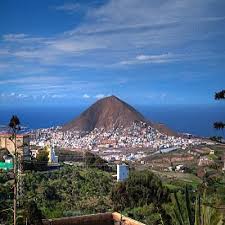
[(197, 120)]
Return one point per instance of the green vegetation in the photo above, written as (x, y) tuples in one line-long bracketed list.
[(141, 188), (70, 191), (43, 156), (141, 197), (32, 213), (201, 213), (179, 180), (38, 164), (6, 196), (144, 196)]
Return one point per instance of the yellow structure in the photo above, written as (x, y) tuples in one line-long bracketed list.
[(22, 142)]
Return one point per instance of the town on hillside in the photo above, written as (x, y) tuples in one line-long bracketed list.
[(112, 112)]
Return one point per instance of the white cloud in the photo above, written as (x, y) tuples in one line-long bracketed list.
[(57, 96), (76, 45), (68, 7), (142, 57), (14, 95), (109, 34), (22, 96), (86, 96), (99, 96), (13, 37), (33, 80), (161, 58), (169, 58), (153, 57)]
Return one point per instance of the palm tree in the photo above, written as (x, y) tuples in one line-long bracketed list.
[(219, 125), (14, 123), (219, 96), (201, 214)]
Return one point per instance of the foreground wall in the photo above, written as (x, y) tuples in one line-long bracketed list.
[(95, 219)]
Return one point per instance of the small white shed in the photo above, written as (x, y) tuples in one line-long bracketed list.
[(122, 172)]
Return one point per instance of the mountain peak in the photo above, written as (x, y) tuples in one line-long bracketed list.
[(109, 113), (112, 98)]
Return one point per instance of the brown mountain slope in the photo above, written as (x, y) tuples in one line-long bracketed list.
[(164, 129), (109, 113)]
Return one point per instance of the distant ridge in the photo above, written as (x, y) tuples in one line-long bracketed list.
[(111, 113)]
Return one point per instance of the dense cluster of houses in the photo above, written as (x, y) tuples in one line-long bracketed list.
[(139, 135)]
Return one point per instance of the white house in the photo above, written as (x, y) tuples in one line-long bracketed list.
[(122, 172)]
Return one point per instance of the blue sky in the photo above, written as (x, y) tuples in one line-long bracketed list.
[(144, 51)]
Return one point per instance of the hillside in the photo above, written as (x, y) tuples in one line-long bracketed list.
[(110, 113)]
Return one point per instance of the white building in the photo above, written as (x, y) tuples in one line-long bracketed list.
[(53, 158), (8, 159), (122, 172)]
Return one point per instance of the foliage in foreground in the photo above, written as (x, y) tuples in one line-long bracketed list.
[(141, 197), (76, 191), (69, 191), (194, 212)]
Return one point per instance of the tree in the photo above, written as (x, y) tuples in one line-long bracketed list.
[(33, 214), (92, 160), (14, 125), (219, 96), (141, 188), (42, 156), (6, 195), (200, 213), (41, 162), (50, 193), (3, 152)]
